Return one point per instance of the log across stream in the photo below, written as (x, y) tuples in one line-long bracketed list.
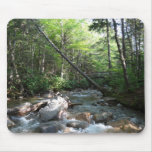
[(78, 111)]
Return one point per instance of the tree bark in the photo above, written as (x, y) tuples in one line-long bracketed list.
[(62, 49), (122, 59), (63, 56), (131, 49), (123, 38), (108, 42), (43, 63), (137, 51)]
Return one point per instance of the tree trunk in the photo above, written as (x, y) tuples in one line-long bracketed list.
[(72, 71), (62, 49), (122, 59), (78, 65), (131, 49), (108, 42), (137, 51), (43, 63), (123, 38), (63, 56)]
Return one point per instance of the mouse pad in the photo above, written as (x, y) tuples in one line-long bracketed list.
[(75, 76)]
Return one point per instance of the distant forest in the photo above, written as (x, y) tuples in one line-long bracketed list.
[(110, 52)]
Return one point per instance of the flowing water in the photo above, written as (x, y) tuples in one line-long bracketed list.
[(90, 100)]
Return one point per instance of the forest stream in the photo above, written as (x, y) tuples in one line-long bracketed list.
[(87, 111), (67, 54)]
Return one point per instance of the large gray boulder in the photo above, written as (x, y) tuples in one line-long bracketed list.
[(55, 109)]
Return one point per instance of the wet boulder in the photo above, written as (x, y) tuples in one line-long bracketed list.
[(54, 109), (25, 109), (102, 117), (77, 124), (67, 130), (124, 125), (51, 127), (36, 107), (83, 116)]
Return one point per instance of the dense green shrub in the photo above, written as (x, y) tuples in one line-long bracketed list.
[(34, 83), (60, 83)]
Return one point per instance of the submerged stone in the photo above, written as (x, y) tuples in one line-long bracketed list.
[(51, 127), (77, 124), (102, 117), (124, 125)]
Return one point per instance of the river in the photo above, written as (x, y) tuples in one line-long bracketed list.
[(105, 114)]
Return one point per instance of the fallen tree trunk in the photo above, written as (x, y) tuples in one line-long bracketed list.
[(63, 56)]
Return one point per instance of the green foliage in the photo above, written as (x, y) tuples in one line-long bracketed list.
[(83, 84), (116, 81), (35, 83), (60, 83)]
